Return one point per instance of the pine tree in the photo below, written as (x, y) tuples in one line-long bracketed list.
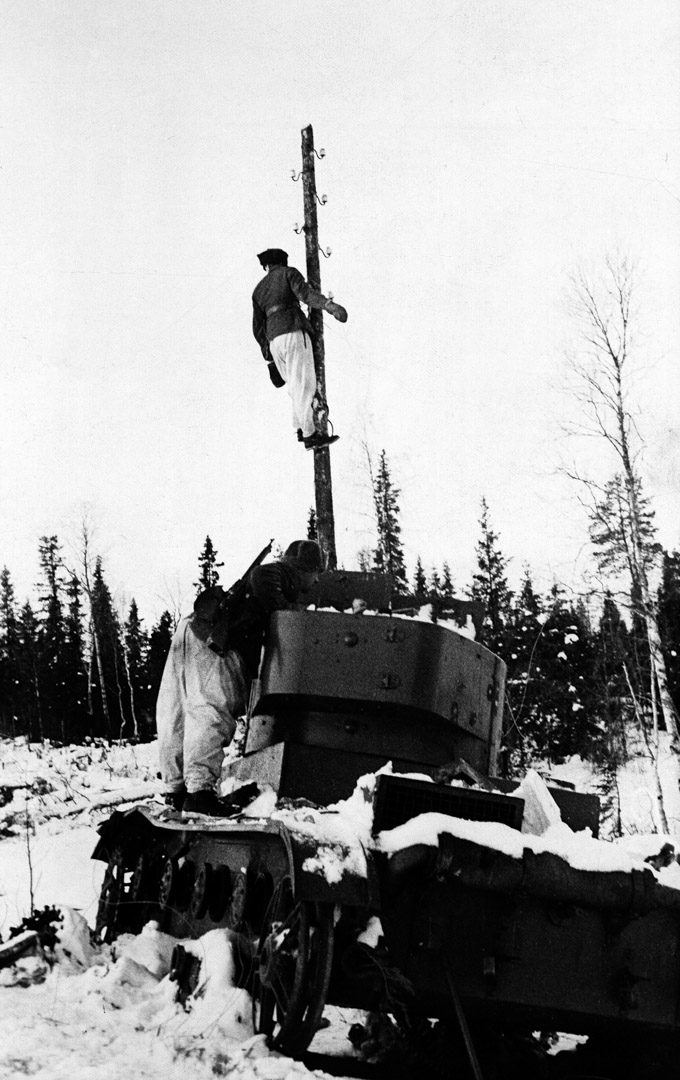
[(611, 531), (209, 567), (490, 586), (388, 556)]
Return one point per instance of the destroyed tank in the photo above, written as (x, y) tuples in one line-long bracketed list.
[(495, 941)]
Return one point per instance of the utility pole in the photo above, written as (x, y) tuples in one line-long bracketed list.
[(323, 488)]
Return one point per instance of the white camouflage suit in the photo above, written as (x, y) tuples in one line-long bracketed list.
[(200, 697), (294, 359)]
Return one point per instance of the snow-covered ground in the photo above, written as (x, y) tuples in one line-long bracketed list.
[(103, 1011), (111, 1011)]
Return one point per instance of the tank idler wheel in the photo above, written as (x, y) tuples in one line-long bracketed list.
[(292, 970), (110, 898)]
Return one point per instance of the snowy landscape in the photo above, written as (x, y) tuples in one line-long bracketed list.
[(497, 189), (99, 1010), (81, 1009)]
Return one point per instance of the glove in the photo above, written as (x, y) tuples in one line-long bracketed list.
[(275, 374), (336, 310)]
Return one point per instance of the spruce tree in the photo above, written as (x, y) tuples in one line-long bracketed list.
[(550, 708), (446, 585), (611, 692), (522, 721), (79, 719), (10, 686), (53, 676), (135, 643), (669, 620), (419, 579), (434, 594), (565, 665), (111, 679), (160, 640), (388, 556), (208, 566), (30, 698), (490, 585), (611, 685)]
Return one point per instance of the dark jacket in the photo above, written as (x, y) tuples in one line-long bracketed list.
[(273, 587), (283, 288)]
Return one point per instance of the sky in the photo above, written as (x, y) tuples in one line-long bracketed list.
[(475, 155)]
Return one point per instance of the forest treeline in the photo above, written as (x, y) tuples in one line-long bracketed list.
[(71, 668)]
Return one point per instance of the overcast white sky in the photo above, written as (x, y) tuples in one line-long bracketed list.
[(475, 153)]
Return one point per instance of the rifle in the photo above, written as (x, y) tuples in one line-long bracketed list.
[(219, 610)]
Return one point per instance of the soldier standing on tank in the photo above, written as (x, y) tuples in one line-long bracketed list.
[(202, 693), (283, 333)]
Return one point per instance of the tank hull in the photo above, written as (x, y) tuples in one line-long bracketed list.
[(519, 943)]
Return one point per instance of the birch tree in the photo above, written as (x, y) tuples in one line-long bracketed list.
[(86, 582), (602, 366)]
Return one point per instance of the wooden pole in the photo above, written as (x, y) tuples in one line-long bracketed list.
[(323, 488)]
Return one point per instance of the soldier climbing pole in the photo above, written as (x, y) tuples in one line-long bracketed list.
[(323, 489)]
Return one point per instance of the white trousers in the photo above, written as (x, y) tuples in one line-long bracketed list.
[(201, 695), (293, 356)]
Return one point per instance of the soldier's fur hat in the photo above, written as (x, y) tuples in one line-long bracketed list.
[(306, 554), (273, 257)]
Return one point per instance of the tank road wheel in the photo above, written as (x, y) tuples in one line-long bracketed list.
[(167, 884), (111, 897), (200, 896), (292, 970)]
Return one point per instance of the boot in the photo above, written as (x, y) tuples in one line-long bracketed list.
[(175, 799), (207, 803), (316, 441)]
